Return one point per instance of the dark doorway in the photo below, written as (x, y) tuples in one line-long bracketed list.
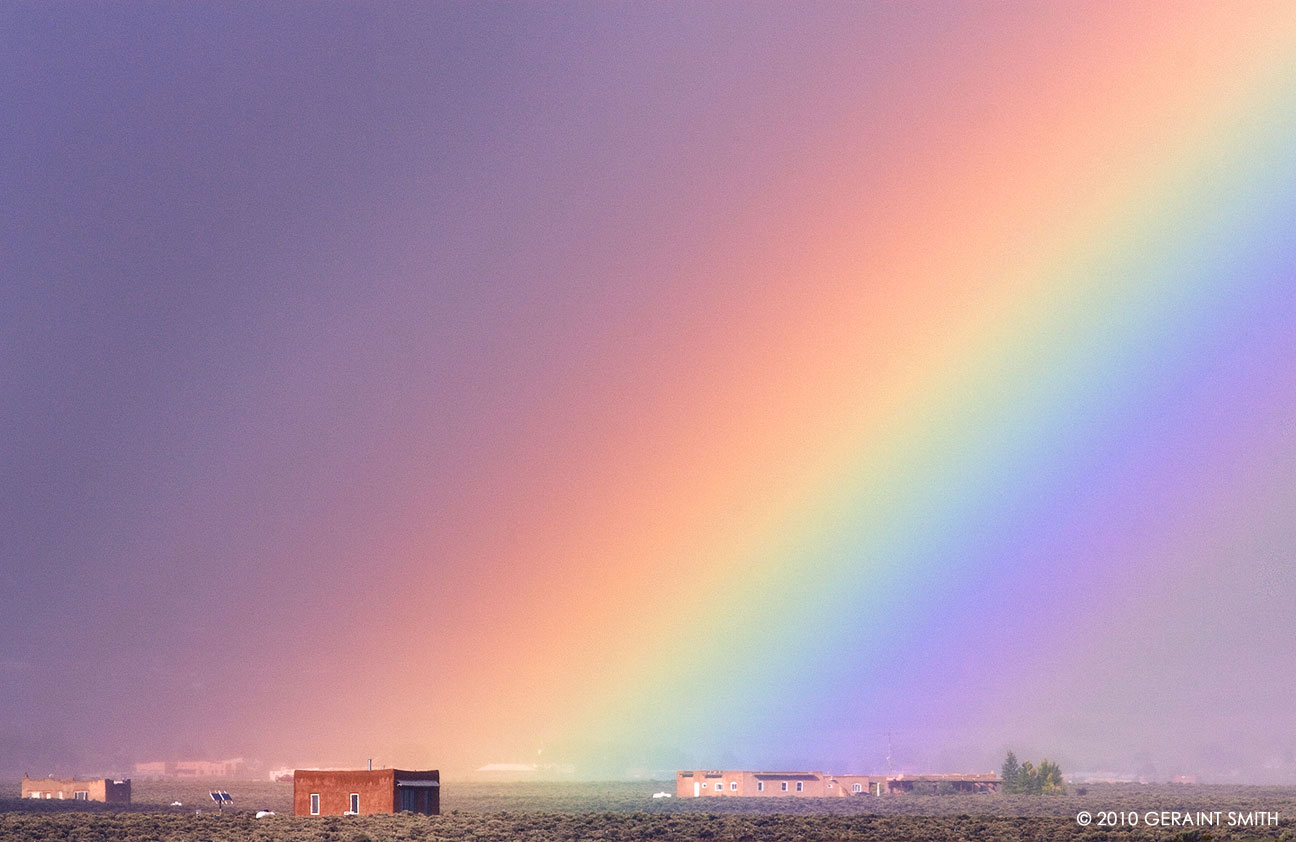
[(419, 800)]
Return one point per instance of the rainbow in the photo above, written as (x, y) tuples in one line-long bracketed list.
[(974, 396)]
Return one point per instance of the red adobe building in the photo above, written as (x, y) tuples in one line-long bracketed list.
[(318, 792), (709, 783), (78, 789)]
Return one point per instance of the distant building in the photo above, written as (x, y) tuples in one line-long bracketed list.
[(319, 792), (712, 783), (76, 789), (235, 768)]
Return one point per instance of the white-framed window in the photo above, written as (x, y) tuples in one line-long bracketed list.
[(783, 785), (355, 802), (35, 794), (719, 786), (857, 788), (800, 786), (314, 803), (81, 795), (830, 784), (49, 795), (760, 786), (733, 786)]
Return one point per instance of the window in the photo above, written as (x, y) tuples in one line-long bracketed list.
[(719, 786), (760, 786), (830, 784), (783, 785), (33, 795), (81, 795), (733, 786), (856, 788), (355, 802), (314, 803), (800, 786)]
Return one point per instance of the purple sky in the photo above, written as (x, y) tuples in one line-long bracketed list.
[(295, 297)]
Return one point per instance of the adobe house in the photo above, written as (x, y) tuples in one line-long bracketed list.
[(855, 785), (77, 789), (713, 783), (339, 792)]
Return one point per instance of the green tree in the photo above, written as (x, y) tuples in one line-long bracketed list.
[(1050, 778), (1027, 779), (1009, 772)]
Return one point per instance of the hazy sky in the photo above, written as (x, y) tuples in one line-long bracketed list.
[(648, 385)]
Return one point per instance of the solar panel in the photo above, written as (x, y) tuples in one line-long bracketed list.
[(227, 798)]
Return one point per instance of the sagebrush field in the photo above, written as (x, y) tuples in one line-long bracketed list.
[(626, 812)]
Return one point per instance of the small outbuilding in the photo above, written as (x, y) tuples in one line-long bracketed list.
[(340, 792), (106, 790)]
